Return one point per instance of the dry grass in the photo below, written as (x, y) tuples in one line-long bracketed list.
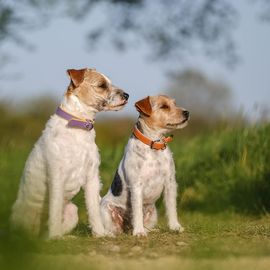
[(210, 242)]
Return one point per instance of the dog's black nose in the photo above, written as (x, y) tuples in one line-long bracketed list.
[(125, 95), (186, 114)]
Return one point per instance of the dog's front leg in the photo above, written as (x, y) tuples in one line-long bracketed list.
[(137, 211), (56, 201), (92, 198), (170, 194)]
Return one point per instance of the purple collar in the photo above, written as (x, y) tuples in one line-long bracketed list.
[(74, 121)]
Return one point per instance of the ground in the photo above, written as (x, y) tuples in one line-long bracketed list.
[(218, 241)]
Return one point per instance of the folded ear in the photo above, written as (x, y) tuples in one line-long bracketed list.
[(144, 106), (76, 75)]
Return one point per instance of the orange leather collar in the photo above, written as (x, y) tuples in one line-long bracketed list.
[(157, 145)]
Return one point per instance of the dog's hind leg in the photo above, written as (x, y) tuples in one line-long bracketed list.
[(70, 217), (112, 219), (26, 217), (28, 209)]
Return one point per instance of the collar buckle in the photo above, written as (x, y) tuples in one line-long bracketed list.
[(88, 125), (164, 146), (158, 141)]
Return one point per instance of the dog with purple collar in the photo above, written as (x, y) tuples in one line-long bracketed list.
[(66, 159)]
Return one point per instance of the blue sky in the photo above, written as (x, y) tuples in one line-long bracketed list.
[(42, 70)]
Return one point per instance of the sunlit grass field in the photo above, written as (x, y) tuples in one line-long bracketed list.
[(224, 199)]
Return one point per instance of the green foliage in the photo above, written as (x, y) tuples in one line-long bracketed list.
[(221, 172), (226, 170)]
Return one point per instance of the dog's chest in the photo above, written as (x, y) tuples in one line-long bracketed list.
[(77, 158), (86, 161), (156, 170)]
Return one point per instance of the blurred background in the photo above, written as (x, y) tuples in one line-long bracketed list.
[(212, 56), (216, 49)]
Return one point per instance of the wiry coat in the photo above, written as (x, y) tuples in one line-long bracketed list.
[(62, 161), (143, 174)]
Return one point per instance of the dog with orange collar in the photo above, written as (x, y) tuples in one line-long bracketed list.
[(146, 170)]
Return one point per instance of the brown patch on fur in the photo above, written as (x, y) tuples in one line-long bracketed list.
[(121, 218), (144, 106), (84, 78), (76, 78), (76, 75), (94, 89), (91, 87), (163, 112), (147, 213), (85, 83), (70, 89)]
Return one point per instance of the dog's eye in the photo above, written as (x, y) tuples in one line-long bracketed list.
[(164, 107), (103, 85)]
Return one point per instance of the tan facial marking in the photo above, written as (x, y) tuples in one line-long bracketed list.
[(95, 90), (76, 75), (161, 112), (144, 106)]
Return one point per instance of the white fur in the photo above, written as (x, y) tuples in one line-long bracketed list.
[(62, 161), (145, 174)]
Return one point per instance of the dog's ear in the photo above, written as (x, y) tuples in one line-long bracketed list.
[(76, 75), (144, 106)]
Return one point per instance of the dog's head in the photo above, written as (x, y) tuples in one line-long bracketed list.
[(161, 112), (96, 90)]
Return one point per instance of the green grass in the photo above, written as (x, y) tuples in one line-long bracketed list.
[(210, 242), (226, 170), (223, 202)]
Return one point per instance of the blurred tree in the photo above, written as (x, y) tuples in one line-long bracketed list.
[(170, 28), (208, 100)]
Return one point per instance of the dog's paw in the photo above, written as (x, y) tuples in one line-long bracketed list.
[(109, 234), (55, 237), (55, 234), (176, 227), (103, 233), (140, 233), (98, 232)]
